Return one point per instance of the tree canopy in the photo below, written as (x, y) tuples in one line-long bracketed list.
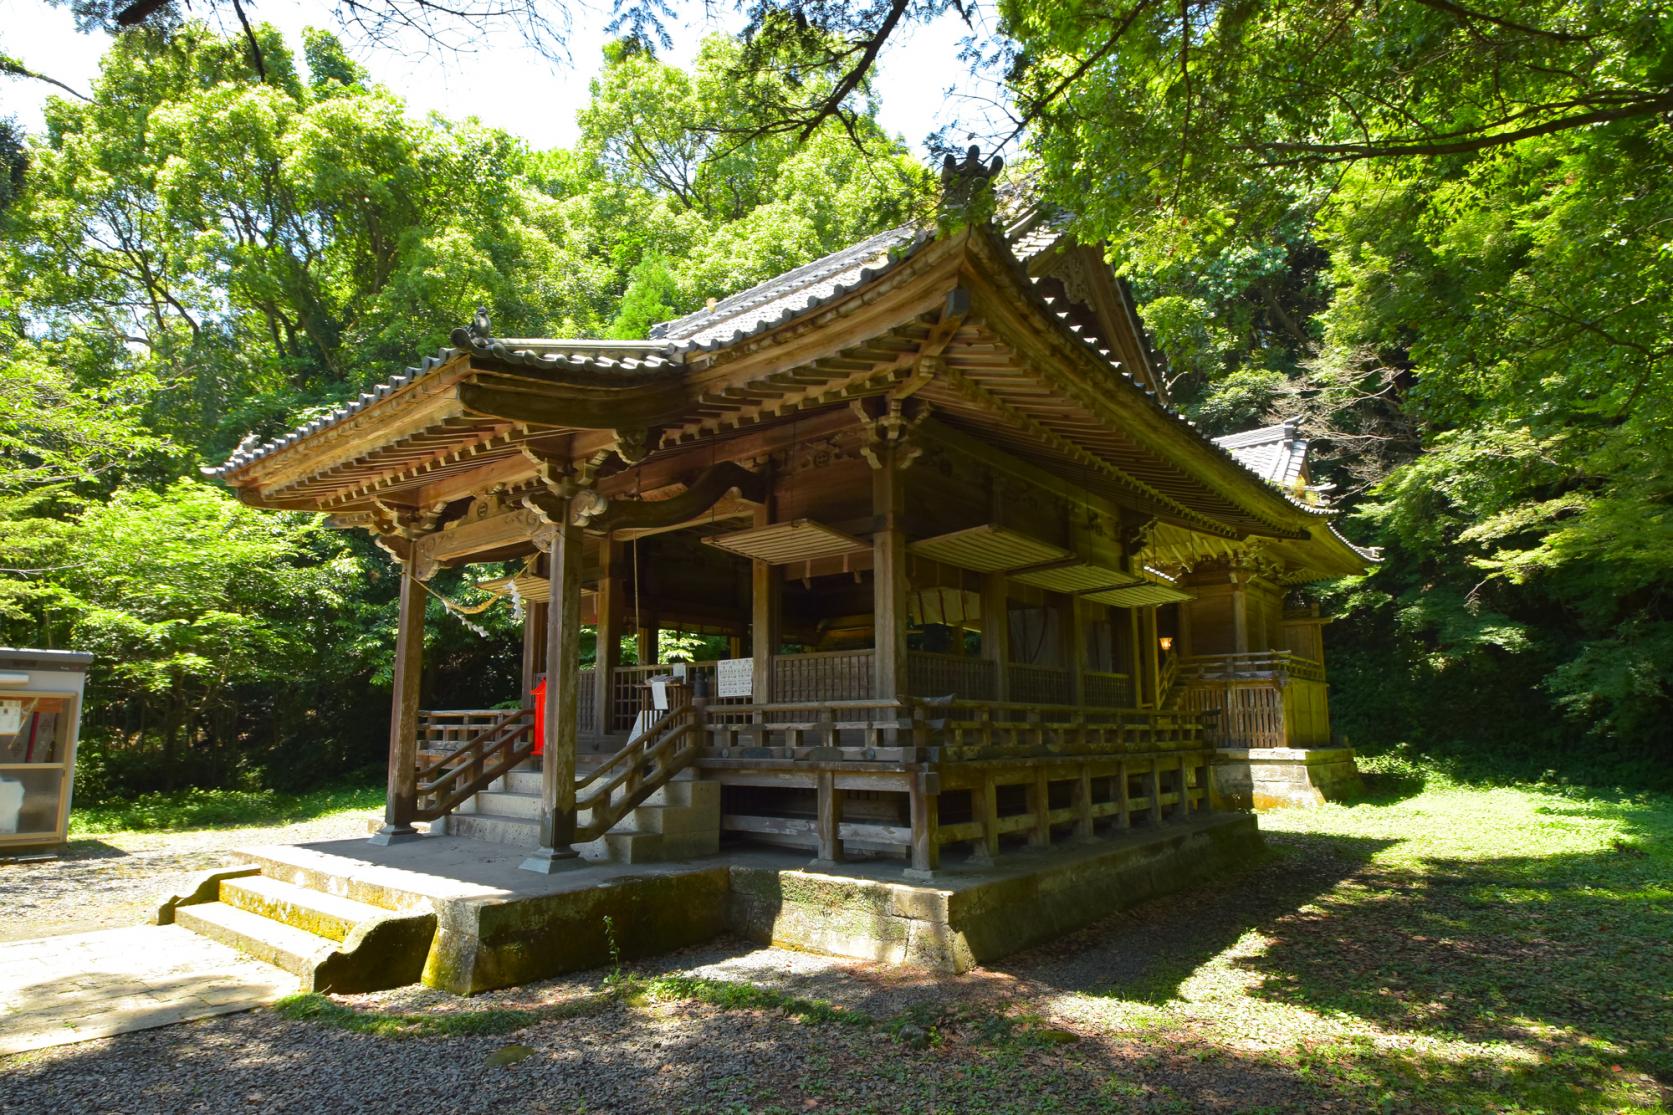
[(1434, 231)]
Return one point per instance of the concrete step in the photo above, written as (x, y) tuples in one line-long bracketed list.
[(669, 820), (505, 803), (496, 830), (284, 946), (337, 875), (325, 915)]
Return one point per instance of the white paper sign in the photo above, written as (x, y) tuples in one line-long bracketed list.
[(11, 717), (735, 677)]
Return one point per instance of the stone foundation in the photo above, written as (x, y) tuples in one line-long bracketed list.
[(496, 926), (1283, 777)]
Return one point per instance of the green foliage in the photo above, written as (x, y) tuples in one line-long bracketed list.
[(196, 254), (1438, 237), (181, 810)]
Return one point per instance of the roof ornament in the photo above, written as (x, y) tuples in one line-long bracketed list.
[(966, 190), (475, 335)]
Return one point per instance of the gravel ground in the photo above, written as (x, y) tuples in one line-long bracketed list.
[(116, 879), (1005, 1039), (1259, 992)]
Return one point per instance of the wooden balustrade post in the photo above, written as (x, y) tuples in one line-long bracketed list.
[(1153, 787), (829, 824), (1123, 798), (563, 679), (401, 801)]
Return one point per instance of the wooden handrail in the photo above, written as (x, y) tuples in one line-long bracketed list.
[(478, 763), (639, 769)]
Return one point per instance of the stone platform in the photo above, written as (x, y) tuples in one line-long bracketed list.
[(496, 926), (1283, 777)]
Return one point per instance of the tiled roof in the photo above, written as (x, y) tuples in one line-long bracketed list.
[(1276, 454), (794, 292)]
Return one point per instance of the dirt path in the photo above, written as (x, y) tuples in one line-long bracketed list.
[(116, 879)]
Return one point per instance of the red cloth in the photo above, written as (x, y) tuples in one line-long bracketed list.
[(539, 695)]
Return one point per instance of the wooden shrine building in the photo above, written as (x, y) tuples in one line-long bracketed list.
[(983, 586)]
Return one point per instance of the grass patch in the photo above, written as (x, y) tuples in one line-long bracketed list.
[(180, 810)]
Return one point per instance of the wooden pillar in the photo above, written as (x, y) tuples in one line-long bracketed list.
[(1084, 831), (829, 824), (1150, 656), (1240, 612), (611, 613), (645, 644), (1123, 798), (1076, 656), (888, 572), (1039, 798), (985, 799), (996, 631), (1153, 790), (401, 801), (563, 678), (534, 642), (925, 810), (764, 631)]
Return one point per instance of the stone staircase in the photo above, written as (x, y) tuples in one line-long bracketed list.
[(327, 939), (681, 820)]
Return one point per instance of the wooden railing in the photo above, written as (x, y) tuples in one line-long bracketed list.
[(872, 731), (446, 781), (1257, 699), (837, 675), (623, 781), (950, 675), (1045, 685), (966, 730), (449, 729), (1106, 690)]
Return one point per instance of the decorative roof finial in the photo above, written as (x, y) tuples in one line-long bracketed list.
[(967, 189), (475, 335)]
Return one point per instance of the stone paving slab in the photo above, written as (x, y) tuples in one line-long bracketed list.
[(61, 990)]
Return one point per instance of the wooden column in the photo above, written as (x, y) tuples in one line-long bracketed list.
[(563, 678), (996, 632), (1150, 656), (645, 640), (925, 810), (1135, 658), (985, 799), (888, 572), (534, 642), (1039, 798), (401, 801), (1076, 650), (764, 619), (829, 824), (1240, 612), (1084, 830), (611, 612)]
